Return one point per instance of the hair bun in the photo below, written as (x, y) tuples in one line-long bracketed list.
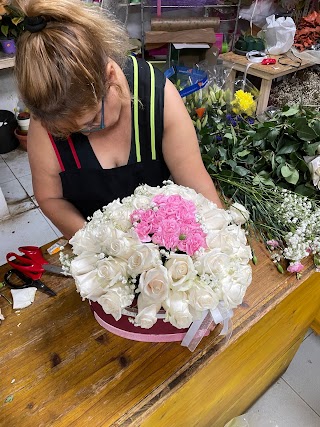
[(34, 24)]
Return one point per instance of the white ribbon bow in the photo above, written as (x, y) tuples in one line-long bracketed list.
[(199, 328)]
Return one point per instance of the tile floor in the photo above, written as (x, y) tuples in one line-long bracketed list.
[(293, 401)]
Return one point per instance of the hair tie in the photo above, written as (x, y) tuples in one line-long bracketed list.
[(34, 24)]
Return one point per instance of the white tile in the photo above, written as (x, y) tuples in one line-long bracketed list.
[(54, 228), (28, 228), (17, 199), (281, 405), (18, 162), (5, 173), (26, 182), (303, 372)]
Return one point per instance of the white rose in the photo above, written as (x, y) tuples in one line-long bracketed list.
[(215, 219), (214, 263), (147, 190), (181, 271), (147, 313), (234, 287), (89, 285), (121, 217), (123, 246), (146, 256), (239, 213), (111, 270), (177, 310), (314, 167), (231, 241), (84, 241), (141, 202), (154, 284), (202, 298), (83, 263), (116, 298)]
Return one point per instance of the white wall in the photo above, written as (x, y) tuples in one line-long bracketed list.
[(8, 92)]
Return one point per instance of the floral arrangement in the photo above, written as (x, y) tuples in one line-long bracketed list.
[(272, 167), (281, 149), (163, 248), (11, 21), (218, 104)]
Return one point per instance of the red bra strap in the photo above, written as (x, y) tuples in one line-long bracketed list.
[(57, 152), (74, 153)]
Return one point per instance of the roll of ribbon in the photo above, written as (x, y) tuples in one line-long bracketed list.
[(256, 56)]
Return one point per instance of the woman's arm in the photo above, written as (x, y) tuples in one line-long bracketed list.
[(181, 149), (46, 182)]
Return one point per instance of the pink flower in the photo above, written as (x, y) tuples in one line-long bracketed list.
[(296, 267), (273, 243), (192, 243), (143, 230)]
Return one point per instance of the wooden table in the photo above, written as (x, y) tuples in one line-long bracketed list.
[(266, 72), (60, 368)]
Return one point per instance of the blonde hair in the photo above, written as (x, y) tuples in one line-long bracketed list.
[(61, 70)]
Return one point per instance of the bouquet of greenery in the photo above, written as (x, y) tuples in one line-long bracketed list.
[(272, 167)]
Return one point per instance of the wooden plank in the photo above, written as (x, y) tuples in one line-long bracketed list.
[(68, 371), (267, 72), (315, 325), (231, 381)]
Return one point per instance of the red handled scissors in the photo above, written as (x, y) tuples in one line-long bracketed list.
[(32, 264)]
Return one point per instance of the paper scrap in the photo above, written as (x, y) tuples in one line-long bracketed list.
[(23, 297), (1, 315)]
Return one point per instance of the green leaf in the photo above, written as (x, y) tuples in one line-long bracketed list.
[(304, 131), (5, 30), (305, 190), (311, 149), (288, 148), (273, 135), (231, 163), (223, 153), (286, 171), (228, 135), (316, 126), (243, 153), (261, 133), (291, 112), (290, 174), (240, 170)]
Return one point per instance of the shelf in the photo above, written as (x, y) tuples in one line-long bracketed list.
[(6, 61)]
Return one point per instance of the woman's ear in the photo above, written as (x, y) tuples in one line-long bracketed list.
[(111, 74)]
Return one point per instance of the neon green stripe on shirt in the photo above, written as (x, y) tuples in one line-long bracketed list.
[(136, 107), (152, 112)]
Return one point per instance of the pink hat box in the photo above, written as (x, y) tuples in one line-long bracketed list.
[(160, 332)]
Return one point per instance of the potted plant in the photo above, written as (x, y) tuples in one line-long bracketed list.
[(23, 119), (11, 25)]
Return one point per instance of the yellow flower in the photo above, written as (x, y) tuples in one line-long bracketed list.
[(243, 103)]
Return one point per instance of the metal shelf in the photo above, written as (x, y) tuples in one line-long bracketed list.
[(144, 4)]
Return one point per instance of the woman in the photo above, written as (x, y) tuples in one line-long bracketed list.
[(102, 123)]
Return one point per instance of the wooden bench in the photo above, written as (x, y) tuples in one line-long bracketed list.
[(58, 367), (265, 72)]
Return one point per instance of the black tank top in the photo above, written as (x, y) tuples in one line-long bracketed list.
[(85, 183)]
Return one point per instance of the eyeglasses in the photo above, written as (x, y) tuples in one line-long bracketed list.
[(95, 128)]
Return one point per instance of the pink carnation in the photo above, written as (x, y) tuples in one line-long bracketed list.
[(296, 267)]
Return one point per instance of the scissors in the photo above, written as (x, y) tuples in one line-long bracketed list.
[(27, 282), (32, 264)]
